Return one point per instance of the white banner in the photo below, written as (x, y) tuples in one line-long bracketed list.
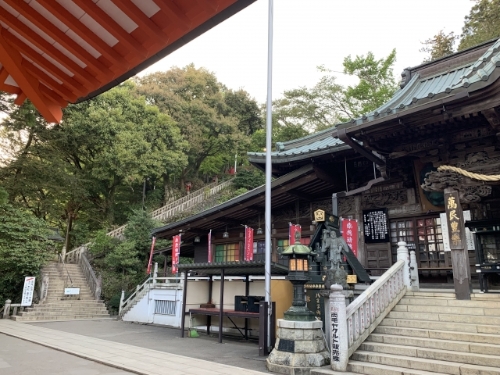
[(29, 288)]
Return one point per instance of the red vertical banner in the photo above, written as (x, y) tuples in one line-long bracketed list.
[(210, 246), (248, 243), (150, 262), (294, 234), (350, 234), (176, 248)]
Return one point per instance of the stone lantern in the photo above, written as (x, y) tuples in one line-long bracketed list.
[(300, 346), (298, 275)]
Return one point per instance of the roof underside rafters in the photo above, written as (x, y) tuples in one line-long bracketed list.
[(56, 52)]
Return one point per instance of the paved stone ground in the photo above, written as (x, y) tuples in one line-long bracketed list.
[(20, 357), (234, 352)]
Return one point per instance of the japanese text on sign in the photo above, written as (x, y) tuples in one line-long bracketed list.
[(334, 316), (375, 226), (454, 219)]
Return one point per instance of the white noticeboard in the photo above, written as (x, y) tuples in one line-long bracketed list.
[(71, 291), (29, 288), (469, 239)]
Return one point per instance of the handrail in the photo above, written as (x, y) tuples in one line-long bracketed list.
[(64, 267), (180, 204), (93, 281), (148, 283), (125, 305), (370, 307), (162, 213)]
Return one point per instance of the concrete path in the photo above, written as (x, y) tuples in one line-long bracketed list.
[(19, 357), (147, 353)]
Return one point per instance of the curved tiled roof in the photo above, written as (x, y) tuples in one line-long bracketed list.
[(421, 88)]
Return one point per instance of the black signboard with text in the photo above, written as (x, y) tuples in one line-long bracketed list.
[(375, 225)]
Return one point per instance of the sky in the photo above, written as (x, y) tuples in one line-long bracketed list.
[(309, 33)]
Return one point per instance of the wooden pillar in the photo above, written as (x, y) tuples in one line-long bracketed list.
[(184, 294), (221, 304), (459, 256)]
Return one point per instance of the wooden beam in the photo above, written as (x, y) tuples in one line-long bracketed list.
[(86, 34), (493, 117), (87, 78), (176, 15), (21, 97), (145, 24), (65, 93), (4, 74), (12, 61), (112, 27), (69, 44), (29, 52), (10, 89)]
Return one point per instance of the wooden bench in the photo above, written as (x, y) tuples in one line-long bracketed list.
[(261, 316)]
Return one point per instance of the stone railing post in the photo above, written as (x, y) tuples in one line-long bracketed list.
[(405, 256), (6, 309), (415, 285), (337, 319), (44, 287), (98, 288), (155, 273), (122, 298)]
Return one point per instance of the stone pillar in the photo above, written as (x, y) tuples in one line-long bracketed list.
[(6, 309), (122, 298), (404, 255), (415, 284), (155, 273), (337, 319), (300, 347)]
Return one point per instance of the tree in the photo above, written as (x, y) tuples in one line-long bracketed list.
[(213, 120), (440, 45), (24, 248), (328, 103), (376, 83), (482, 23)]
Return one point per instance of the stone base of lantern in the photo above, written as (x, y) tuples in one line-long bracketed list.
[(300, 347)]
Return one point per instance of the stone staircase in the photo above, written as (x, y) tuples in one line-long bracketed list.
[(433, 333), (57, 306)]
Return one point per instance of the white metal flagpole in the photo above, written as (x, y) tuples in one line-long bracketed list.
[(269, 114)]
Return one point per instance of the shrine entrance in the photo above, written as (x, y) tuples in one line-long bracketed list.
[(423, 235)]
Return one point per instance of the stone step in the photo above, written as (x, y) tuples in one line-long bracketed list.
[(60, 317), (443, 326), (61, 313), (492, 304), (446, 309), (432, 353), (481, 319), (423, 342), (424, 364), (380, 369), (439, 334)]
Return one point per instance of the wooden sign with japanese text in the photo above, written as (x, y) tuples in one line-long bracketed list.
[(454, 219)]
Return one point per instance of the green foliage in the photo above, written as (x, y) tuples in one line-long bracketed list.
[(213, 120), (376, 83), (249, 178), (313, 109), (24, 248), (482, 24), (440, 45)]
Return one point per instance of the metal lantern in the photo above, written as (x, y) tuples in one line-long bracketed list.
[(298, 275)]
